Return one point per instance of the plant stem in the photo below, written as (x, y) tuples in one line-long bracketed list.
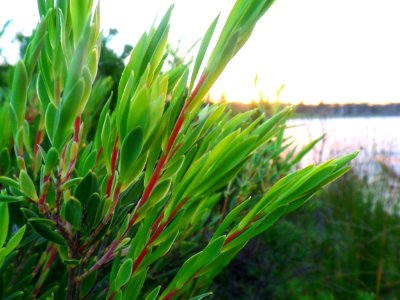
[(106, 219), (153, 180), (113, 164), (71, 283)]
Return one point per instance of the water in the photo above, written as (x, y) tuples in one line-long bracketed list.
[(377, 139)]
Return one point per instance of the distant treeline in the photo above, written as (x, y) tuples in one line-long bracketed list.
[(352, 110), (330, 110)]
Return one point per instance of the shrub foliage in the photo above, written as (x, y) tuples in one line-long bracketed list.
[(89, 216)]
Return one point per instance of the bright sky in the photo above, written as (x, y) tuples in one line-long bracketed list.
[(322, 50)]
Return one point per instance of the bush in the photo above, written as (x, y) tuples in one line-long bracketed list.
[(104, 210)]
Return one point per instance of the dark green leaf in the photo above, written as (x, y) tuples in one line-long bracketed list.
[(3, 223), (46, 229), (73, 212), (130, 151)]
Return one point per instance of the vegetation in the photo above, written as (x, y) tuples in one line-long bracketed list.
[(342, 245), (100, 194)]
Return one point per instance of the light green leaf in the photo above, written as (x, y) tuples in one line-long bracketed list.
[(202, 51), (19, 92), (15, 240), (124, 273), (153, 294), (51, 160), (27, 186), (9, 182)]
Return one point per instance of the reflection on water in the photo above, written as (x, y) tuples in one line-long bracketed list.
[(377, 139)]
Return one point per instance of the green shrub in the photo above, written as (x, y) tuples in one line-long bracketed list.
[(104, 210), (343, 245)]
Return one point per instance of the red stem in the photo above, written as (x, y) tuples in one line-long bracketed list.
[(77, 128), (157, 229), (234, 235), (37, 269), (99, 153), (106, 219), (113, 164), (37, 142), (42, 199), (153, 180), (174, 292), (160, 165), (51, 259), (71, 165), (170, 295)]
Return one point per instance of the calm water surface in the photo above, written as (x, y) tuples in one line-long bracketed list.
[(377, 138)]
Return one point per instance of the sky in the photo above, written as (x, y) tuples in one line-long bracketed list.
[(333, 51)]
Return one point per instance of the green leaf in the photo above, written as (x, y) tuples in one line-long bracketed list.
[(11, 199), (153, 294), (51, 121), (29, 213), (73, 263), (78, 12), (104, 112), (341, 161), (124, 273), (139, 113), (19, 92), (94, 204), (88, 163), (130, 151), (46, 229), (51, 160), (212, 250), (159, 192), (307, 148), (41, 91), (15, 240), (27, 186), (174, 167), (36, 44), (68, 111), (3, 223), (9, 182), (73, 212), (106, 140), (230, 218), (88, 186), (198, 261), (70, 183), (5, 159), (134, 285), (161, 250), (202, 296), (202, 51), (16, 295), (87, 284), (2, 257)]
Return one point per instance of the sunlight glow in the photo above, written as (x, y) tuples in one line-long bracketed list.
[(322, 50)]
